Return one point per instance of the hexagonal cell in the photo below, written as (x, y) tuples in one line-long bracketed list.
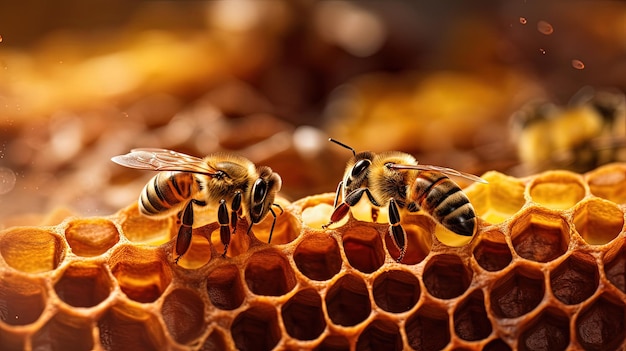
[(286, 229), (499, 200), (303, 317), (557, 189), (256, 328), (517, 293), (31, 250), (598, 221), (141, 273), (470, 318), (548, 331), (147, 230), (601, 326), (540, 236), (91, 237), (84, 285), (380, 334), (396, 291), (127, 327), (427, 329), (575, 279), (609, 182), (419, 239), (318, 257), (268, 273), (183, 314), (198, 254), (497, 345), (364, 248), (334, 343), (347, 301), (225, 287), (22, 301), (446, 277), (492, 252), (65, 332), (615, 270), (215, 341)]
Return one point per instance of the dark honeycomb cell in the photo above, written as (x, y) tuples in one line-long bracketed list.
[(615, 270), (216, 341), (470, 318), (497, 345), (609, 182), (318, 257), (269, 273), (141, 273), (381, 334), (347, 301), (65, 332), (517, 293), (225, 288), (303, 316), (557, 189), (419, 240), (183, 314), (598, 221), (364, 248), (31, 250), (91, 237), (428, 329), (492, 253), (575, 279), (334, 343), (548, 331), (21, 301), (540, 236), (446, 277), (126, 327), (256, 328), (84, 285), (601, 325), (396, 291)]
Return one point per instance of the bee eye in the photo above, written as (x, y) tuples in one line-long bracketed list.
[(360, 167), (258, 191)]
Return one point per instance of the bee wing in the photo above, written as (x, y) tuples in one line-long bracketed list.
[(444, 170), (163, 160)]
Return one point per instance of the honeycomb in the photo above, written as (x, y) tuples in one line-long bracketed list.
[(545, 271)]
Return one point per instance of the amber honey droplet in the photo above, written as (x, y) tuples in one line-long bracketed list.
[(578, 64), (545, 28)]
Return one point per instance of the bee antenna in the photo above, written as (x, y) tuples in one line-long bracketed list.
[(342, 144)]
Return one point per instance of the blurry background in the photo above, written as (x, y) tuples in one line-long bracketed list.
[(81, 81)]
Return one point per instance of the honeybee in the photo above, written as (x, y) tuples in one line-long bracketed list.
[(230, 183), (395, 179)]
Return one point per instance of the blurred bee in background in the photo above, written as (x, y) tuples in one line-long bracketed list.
[(227, 182), (587, 133), (395, 179)]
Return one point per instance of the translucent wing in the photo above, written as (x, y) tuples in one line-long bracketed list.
[(444, 170), (163, 160)]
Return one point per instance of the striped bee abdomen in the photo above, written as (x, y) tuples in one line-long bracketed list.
[(439, 196), (165, 191)]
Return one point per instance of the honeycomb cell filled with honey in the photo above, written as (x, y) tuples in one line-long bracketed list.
[(546, 270)]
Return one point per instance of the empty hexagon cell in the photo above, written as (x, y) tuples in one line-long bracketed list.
[(600, 326), (268, 273), (347, 301), (225, 288), (256, 328), (419, 239), (446, 277), (491, 251), (396, 291), (598, 221), (427, 328), (31, 250), (65, 332), (91, 237), (286, 227), (303, 316), (517, 293), (126, 327), (609, 182), (84, 285), (21, 301), (216, 340), (141, 273), (575, 279), (364, 248), (615, 269), (183, 314), (498, 200), (470, 318), (540, 236), (380, 334), (557, 189), (317, 256), (548, 331)]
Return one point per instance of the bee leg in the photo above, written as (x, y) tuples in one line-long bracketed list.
[(183, 240), (395, 229), (337, 193), (350, 200), (223, 220), (235, 208)]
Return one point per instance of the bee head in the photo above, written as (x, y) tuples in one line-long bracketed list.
[(357, 170), (263, 193)]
